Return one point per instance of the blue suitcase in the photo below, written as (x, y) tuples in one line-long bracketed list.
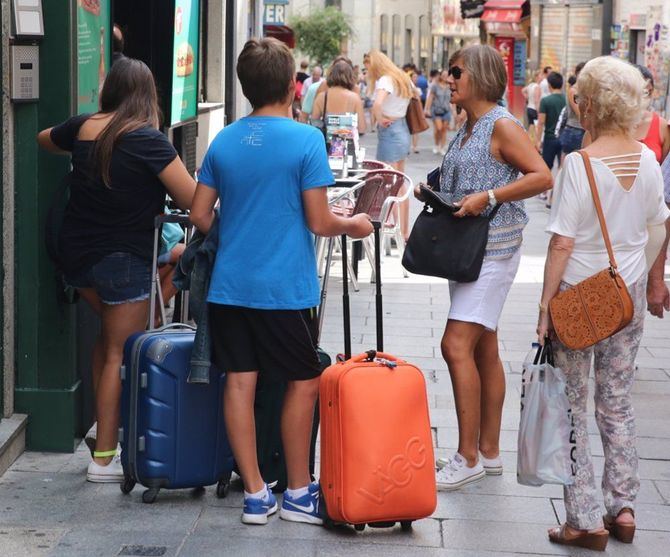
[(173, 433)]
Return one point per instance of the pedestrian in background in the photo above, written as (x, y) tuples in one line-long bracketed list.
[(572, 135), (550, 110), (530, 94), (340, 97), (309, 90), (122, 166), (417, 93), (544, 90), (652, 130), (611, 102), (494, 147), (422, 83), (438, 107), (393, 90)]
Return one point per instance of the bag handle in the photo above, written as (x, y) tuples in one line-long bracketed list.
[(599, 209), (371, 355)]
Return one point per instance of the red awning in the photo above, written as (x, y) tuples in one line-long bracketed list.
[(502, 16), (504, 4), (281, 32)]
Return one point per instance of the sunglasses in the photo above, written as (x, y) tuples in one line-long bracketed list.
[(455, 71)]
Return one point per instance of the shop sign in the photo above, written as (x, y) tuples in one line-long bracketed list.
[(520, 55), (184, 104), (472, 8), (93, 51), (274, 12), (447, 20)]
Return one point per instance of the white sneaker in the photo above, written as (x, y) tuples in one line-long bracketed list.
[(457, 474), (492, 466), (435, 150), (111, 473), (443, 151)]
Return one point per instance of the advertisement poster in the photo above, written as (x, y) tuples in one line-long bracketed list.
[(93, 51), (520, 55), (505, 45), (185, 70), (657, 55)]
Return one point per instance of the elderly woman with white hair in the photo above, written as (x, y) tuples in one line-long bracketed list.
[(629, 183)]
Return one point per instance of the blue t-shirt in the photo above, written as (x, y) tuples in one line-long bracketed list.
[(260, 165), (422, 83)]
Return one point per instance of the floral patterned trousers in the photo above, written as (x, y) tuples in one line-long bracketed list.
[(614, 367)]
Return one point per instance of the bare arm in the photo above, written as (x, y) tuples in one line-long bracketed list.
[(511, 144), (658, 297), (539, 132), (322, 222), (665, 138), (362, 124), (202, 208), (317, 109), (429, 101), (380, 96), (44, 141), (179, 183), (558, 253), (538, 96)]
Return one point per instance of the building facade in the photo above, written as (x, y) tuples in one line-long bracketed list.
[(399, 28), (641, 34)]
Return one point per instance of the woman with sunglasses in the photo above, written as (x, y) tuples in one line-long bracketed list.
[(491, 161)]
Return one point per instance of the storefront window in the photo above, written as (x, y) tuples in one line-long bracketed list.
[(384, 33), (396, 39), (410, 47)]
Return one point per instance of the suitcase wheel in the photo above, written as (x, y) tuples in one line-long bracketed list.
[(406, 525), (222, 489), (127, 484), (149, 496), (359, 527)]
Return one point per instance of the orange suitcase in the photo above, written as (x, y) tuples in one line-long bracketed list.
[(377, 464)]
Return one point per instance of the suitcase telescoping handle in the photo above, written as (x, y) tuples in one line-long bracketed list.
[(175, 326), (371, 355), (346, 313)]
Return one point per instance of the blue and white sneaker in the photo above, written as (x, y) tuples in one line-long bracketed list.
[(303, 509), (256, 510)]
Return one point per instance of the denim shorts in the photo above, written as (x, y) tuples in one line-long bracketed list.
[(445, 117), (117, 278), (394, 141), (571, 139)]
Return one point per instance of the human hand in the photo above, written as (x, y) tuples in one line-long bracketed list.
[(426, 114), (544, 326), (538, 146), (472, 205), (658, 298), (417, 192), (360, 226), (385, 122)]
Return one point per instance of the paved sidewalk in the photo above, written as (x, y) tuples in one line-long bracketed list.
[(47, 508)]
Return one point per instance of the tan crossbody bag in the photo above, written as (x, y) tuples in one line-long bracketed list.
[(599, 306)]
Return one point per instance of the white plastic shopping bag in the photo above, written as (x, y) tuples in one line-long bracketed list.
[(546, 451)]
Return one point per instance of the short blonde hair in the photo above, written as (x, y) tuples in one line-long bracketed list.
[(616, 90), (486, 70)]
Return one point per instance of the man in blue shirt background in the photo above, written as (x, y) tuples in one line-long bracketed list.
[(270, 175)]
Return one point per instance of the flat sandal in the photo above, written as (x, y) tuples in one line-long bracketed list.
[(622, 532), (596, 541)]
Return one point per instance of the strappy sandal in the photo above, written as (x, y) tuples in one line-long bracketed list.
[(596, 541), (622, 532)]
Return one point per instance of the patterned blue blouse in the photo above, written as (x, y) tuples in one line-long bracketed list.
[(471, 168)]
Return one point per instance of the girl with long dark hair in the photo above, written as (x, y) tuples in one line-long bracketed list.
[(122, 166)]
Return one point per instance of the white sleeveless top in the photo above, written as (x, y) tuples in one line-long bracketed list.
[(628, 213)]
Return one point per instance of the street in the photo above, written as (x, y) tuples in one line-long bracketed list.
[(47, 507)]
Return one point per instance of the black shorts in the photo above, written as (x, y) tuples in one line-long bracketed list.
[(282, 342)]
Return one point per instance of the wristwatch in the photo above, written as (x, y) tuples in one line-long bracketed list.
[(492, 199)]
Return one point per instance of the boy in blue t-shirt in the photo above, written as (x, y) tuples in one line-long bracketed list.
[(270, 175)]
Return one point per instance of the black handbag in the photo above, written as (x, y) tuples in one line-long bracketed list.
[(445, 246)]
